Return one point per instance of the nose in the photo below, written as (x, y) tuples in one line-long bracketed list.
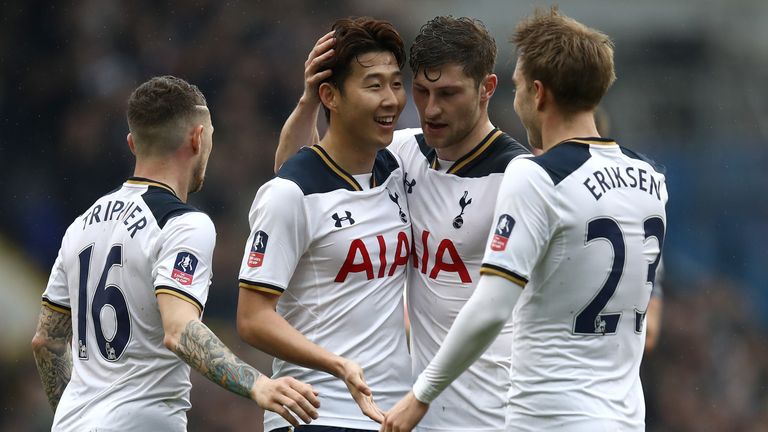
[(432, 109), (389, 97)]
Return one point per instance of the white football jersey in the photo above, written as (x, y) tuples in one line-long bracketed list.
[(131, 244), (451, 212), (581, 227), (337, 254)]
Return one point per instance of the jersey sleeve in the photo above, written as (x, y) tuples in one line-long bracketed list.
[(184, 258), (278, 237), (56, 295), (523, 222), (401, 139)]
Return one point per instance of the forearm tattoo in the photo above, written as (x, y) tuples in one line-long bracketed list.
[(202, 350), (54, 356)]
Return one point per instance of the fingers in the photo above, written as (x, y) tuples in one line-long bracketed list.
[(322, 51), (295, 406), (322, 44), (370, 409), (306, 391), (289, 398), (357, 381), (284, 413)]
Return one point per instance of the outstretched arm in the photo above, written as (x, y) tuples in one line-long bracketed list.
[(53, 353), (477, 325), (199, 347), (262, 327), (301, 127)]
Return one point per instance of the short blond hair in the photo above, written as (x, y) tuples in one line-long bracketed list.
[(571, 59)]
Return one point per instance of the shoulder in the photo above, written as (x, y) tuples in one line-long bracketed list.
[(385, 164), (562, 160), (406, 134), (409, 140), (313, 172), (642, 157), (491, 156), (278, 196), (165, 206)]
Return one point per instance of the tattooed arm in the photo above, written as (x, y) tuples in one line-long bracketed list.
[(53, 352), (199, 347)]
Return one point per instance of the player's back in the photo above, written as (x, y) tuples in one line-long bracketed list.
[(107, 271), (578, 326)]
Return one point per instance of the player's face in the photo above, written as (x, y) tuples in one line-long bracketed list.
[(372, 99), (448, 102), (198, 177), (525, 107)]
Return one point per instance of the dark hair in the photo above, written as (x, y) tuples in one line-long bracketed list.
[(157, 108), (464, 41), (355, 37), (573, 60)]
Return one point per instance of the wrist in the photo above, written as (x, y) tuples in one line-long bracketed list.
[(258, 385), (416, 400), (309, 101), (337, 367)]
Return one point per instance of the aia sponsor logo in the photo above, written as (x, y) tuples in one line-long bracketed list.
[(258, 249), (445, 258), (184, 268), (503, 230), (374, 259)]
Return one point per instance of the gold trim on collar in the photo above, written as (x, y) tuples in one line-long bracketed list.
[(151, 183), (335, 168), (478, 151), (592, 142)]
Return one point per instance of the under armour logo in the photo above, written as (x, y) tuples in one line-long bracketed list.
[(458, 221), (408, 184), (339, 219), (395, 199)]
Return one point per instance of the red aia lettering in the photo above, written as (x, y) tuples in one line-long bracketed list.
[(455, 265), (357, 247)]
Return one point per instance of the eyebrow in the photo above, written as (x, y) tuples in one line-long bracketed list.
[(381, 75), (441, 87)]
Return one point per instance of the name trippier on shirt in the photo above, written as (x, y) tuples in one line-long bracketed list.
[(602, 181), (117, 210)]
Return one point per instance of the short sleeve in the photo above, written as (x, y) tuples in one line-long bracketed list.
[(523, 222), (56, 295), (278, 237), (185, 256), (401, 139)]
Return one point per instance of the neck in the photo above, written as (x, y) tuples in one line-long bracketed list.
[(482, 128), (350, 155), (165, 171), (557, 127)]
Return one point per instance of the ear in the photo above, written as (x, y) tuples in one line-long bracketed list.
[(196, 139), (540, 94), (329, 96), (131, 144), (488, 87)]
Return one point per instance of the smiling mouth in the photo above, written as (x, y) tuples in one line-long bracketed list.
[(385, 121)]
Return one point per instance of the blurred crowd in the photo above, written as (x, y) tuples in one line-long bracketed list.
[(67, 69)]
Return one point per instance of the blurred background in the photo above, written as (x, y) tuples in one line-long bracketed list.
[(691, 93)]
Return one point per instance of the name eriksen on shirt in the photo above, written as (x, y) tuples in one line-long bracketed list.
[(602, 181)]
